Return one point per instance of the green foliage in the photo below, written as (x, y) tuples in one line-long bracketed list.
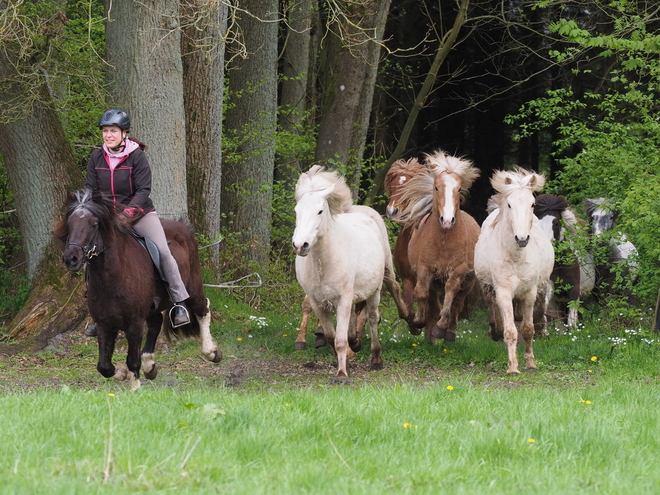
[(607, 137)]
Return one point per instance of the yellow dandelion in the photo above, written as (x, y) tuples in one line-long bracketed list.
[(406, 425), (285, 335), (412, 352), (111, 395), (594, 358), (449, 387), (445, 351), (239, 339), (414, 345), (287, 404), (531, 440), (587, 402), (590, 371)]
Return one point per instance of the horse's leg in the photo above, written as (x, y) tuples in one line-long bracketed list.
[(395, 291), (344, 309), (354, 341), (432, 314), (208, 345), (154, 324), (373, 316), (493, 331), (301, 339), (106, 340), (422, 287), (504, 301), (445, 328), (134, 337), (527, 326)]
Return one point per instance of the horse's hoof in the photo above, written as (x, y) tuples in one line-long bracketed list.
[(494, 335), (439, 333), (450, 337), (320, 341), (300, 346), (340, 380), (376, 366), (414, 330), (513, 371), (216, 356), (152, 373), (355, 345)]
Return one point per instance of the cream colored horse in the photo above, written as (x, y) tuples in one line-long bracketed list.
[(513, 260), (342, 259)]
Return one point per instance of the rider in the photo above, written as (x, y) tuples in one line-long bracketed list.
[(121, 171)]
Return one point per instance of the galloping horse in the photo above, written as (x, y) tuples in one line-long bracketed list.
[(341, 261), (441, 247), (513, 260), (573, 274), (398, 176), (621, 253), (122, 287)]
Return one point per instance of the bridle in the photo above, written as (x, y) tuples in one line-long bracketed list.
[(90, 249)]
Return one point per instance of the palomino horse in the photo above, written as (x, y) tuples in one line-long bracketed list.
[(513, 260), (122, 289), (398, 176), (341, 260), (441, 247), (612, 251), (573, 274)]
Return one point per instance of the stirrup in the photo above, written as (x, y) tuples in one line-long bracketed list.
[(186, 315)]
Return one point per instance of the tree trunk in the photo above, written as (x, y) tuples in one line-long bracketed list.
[(143, 48), (295, 81), (203, 48), (250, 128), (352, 56)]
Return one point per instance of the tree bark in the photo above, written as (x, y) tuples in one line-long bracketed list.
[(295, 72), (443, 50), (352, 58), (203, 48), (250, 126), (143, 48)]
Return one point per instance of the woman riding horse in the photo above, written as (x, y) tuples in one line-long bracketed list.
[(120, 170)]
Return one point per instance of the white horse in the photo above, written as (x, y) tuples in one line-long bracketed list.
[(342, 260), (513, 260)]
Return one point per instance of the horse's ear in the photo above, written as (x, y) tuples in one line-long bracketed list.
[(535, 182), (508, 180)]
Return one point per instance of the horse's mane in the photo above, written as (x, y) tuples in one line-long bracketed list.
[(401, 167), (550, 204), (507, 181), (592, 205), (318, 179), (418, 192), (96, 204)]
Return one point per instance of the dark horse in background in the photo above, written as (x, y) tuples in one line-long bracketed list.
[(123, 288)]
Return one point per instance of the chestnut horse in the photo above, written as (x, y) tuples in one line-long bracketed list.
[(123, 290), (441, 247), (513, 260), (398, 176)]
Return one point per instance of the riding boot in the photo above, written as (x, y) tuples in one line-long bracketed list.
[(179, 315), (91, 330)]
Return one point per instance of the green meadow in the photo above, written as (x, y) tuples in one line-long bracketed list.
[(267, 419)]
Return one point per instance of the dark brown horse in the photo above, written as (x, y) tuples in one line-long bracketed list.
[(441, 247), (123, 290), (398, 176)]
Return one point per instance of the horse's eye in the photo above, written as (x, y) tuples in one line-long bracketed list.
[(320, 211), (508, 205)]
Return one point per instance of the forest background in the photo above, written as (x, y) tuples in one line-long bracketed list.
[(236, 99)]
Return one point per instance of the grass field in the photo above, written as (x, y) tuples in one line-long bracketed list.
[(437, 419)]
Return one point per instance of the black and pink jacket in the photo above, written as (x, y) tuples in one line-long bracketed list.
[(128, 184)]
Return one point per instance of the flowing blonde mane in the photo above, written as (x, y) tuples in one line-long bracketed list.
[(418, 193), (401, 167), (507, 181), (318, 179)]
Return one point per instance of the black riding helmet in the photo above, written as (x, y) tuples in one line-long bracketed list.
[(115, 117)]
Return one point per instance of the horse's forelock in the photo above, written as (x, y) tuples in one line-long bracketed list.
[(507, 181), (401, 167), (318, 179), (442, 162)]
